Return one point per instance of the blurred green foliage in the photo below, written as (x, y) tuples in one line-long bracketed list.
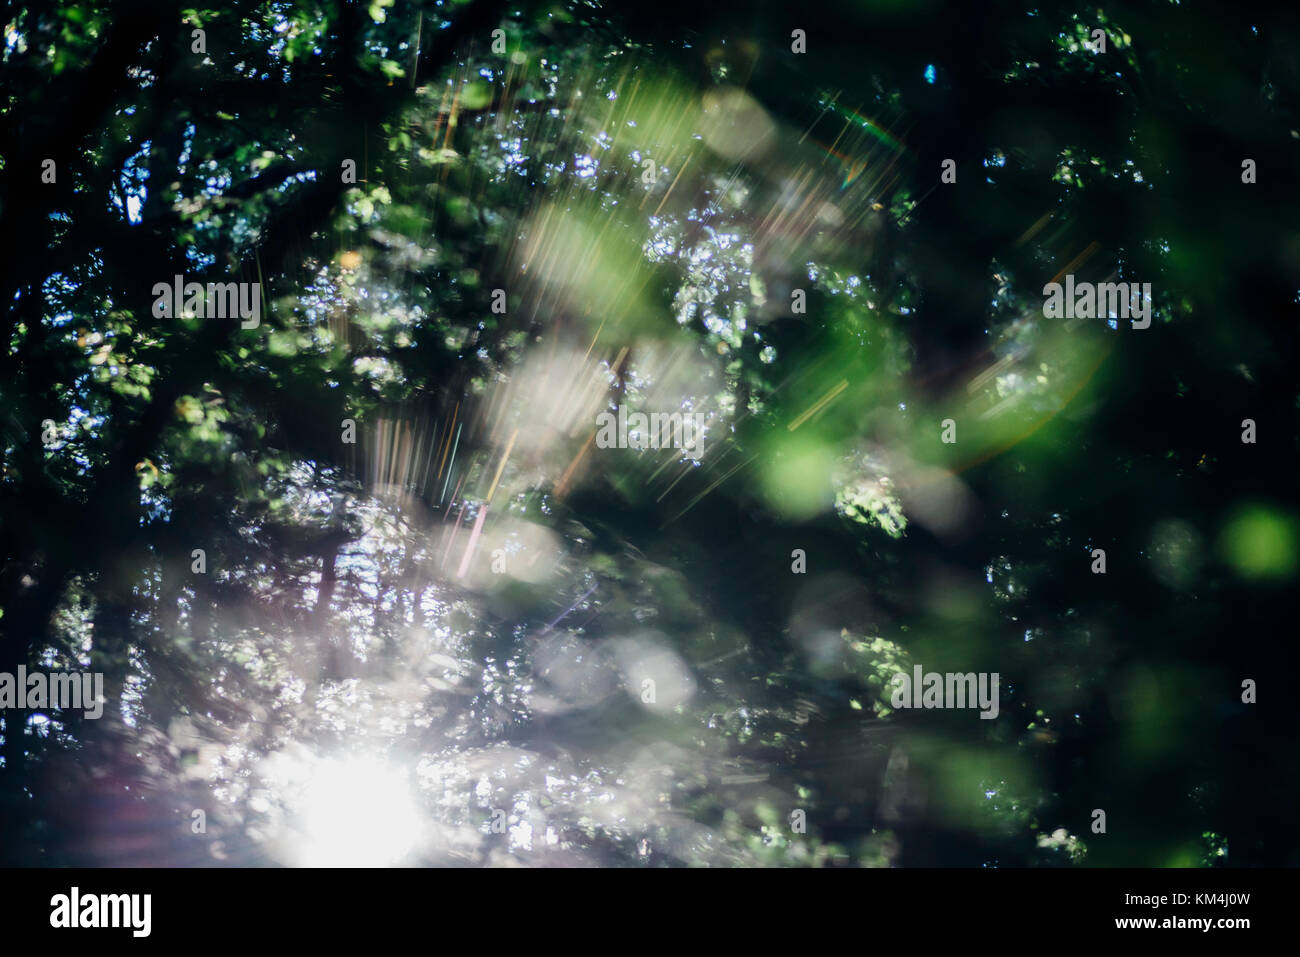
[(653, 186)]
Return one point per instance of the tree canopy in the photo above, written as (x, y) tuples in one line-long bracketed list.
[(363, 584)]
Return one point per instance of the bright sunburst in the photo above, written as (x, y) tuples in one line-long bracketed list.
[(357, 812)]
